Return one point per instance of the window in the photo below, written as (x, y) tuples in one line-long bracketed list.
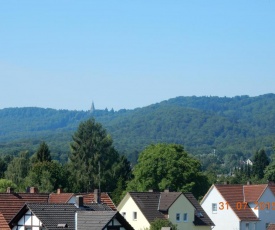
[(246, 226), (178, 217), (214, 208), (134, 215), (28, 228), (185, 217)]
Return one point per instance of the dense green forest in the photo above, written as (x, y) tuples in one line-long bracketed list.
[(219, 129)]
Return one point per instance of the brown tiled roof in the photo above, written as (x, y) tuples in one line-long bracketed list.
[(105, 199), (272, 188), (3, 223), (156, 204), (271, 227), (201, 218), (11, 203), (167, 199), (234, 195), (148, 204), (252, 193), (60, 198)]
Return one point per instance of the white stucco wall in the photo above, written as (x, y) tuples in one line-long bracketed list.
[(266, 210), (128, 207), (223, 219)]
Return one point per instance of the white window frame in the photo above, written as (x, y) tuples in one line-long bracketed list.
[(214, 208), (185, 217)]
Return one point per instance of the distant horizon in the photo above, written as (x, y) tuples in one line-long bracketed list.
[(131, 108), (130, 54)]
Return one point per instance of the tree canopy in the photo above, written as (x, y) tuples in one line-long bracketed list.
[(94, 162), (168, 166)]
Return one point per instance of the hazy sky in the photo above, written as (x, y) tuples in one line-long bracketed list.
[(65, 54)]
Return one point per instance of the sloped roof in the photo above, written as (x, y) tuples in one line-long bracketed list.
[(88, 198), (97, 220), (271, 227), (105, 199), (53, 214), (148, 203), (155, 204), (11, 203), (167, 199), (234, 194), (60, 198), (3, 223), (253, 193), (201, 217)]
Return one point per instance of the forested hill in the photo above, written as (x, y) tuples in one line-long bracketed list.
[(239, 125)]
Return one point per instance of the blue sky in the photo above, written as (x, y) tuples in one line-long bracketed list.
[(65, 54)]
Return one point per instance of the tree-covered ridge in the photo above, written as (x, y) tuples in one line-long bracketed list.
[(239, 125)]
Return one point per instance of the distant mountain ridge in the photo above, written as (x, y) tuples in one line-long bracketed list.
[(228, 125)]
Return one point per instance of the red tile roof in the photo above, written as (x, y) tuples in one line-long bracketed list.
[(234, 195), (58, 198), (271, 227), (3, 223), (253, 193), (11, 203), (105, 199)]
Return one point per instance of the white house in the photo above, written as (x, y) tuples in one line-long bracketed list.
[(182, 209), (240, 207)]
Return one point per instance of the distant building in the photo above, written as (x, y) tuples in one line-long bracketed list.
[(92, 108)]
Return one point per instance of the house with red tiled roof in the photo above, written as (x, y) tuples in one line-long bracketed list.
[(11, 203), (95, 197), (242, 207), (47, 216), (182, 209)]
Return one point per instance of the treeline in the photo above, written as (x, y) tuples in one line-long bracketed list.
[(232, 128), (93, 162)]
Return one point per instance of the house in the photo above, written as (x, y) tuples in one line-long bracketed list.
[(243, 207), (95, 197), (182, 209), (79, 216), (11, 202)]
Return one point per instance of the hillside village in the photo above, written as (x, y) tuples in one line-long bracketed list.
[(97, 187), (224, 206)]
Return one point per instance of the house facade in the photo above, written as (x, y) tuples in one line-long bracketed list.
[(77, 216), (182, 209), (240, 207)]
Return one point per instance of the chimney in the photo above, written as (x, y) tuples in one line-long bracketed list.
[(79, 201), (226, 182), (33, 190), (10, 190), (249, 182), (97, 195), (59, 190), (167, 190)]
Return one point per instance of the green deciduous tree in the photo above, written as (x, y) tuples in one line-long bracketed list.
[(162, 166), (4, 184), (157, 224), (18, 169), (260, 161), (93, 160), (47, 176)]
